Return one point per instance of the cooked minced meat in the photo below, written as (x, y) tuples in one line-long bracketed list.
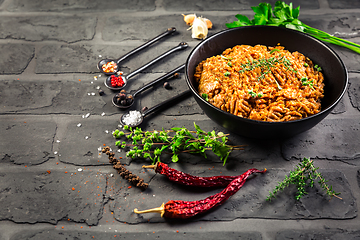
[(261, 83)]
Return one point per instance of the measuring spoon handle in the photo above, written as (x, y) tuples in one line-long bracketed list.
[(166, 102), (141, 47), (181, 46), (179, 68)]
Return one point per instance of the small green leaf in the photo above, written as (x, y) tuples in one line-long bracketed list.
[(175, 158), (205, 96), (243, 19)]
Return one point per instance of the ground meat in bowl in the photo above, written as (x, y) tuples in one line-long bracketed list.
[(262, 83)]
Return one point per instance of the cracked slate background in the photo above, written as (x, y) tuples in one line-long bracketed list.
[(55, 182)]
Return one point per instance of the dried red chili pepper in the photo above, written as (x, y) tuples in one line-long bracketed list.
[(187, 209), (190, 180)]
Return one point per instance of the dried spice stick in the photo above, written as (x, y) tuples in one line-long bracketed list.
[(126, 174), (187, 209), (190, 180)]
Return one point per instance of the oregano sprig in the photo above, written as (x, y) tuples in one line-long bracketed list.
[(152, 144), (304, 175)]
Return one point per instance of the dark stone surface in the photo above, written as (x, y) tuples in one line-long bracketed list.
[(84, 5), (56, 234), (32, 196), (82, 59), (18, 96), (354, 89), (15, 60), (227, 5), (320, 234), (90, 136), (44, 28), (29, 141), (347, 4), (336, 135), (69, 59), (339, 108), (49, 80)]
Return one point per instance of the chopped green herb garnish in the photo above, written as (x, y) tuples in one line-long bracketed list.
[(205, 96), (274, 50), (306, 65), (252, 94), (229, 64), (317, 68), (227, 58), (226, 74), (306, 82)]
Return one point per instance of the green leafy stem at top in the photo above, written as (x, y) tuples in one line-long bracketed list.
[(284, 15)]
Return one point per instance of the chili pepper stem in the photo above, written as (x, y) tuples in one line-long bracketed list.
[(160, 210), (150, 166)]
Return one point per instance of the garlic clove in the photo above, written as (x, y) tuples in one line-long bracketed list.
[(189, 19), (208, 23), (199, 28)]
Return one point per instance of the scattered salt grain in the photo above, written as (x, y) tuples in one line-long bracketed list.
[(79, 125), (87, 115), (86, 137), (106, 131), (132, 118), (91, 82), (80, 170), (57, 141), (95, 78), (100, 56), (119, 150), (103, 114), (111, 175), (88, 94), (98, 87), (92, 94), (55, 152), (99, 149)]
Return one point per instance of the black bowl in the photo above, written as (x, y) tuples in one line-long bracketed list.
[(334, 70)]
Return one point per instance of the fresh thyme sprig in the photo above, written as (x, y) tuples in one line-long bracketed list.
[(151, 144), (265, 65), (304, 175)]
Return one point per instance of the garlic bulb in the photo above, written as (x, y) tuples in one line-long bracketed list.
[(199, 28)]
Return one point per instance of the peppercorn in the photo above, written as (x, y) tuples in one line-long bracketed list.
[(101, 92), (125, 173), (167, 85)]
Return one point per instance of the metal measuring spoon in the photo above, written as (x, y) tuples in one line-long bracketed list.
[(123, 100), (134, 118), (125, 78), (117, 61)]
